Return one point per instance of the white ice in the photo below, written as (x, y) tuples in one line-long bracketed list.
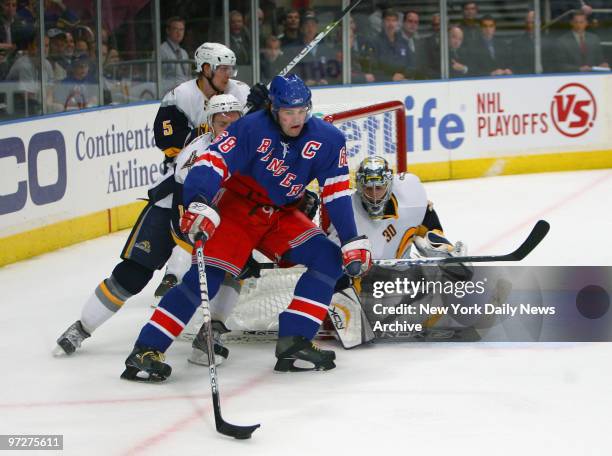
[(428, 398)]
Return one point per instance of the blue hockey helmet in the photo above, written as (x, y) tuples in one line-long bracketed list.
[(289, 91)]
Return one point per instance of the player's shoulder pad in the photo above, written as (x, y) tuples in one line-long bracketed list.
[(239, 89), (181, 94), (409, 190)]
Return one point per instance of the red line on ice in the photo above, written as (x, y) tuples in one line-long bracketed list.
[(511, 232)]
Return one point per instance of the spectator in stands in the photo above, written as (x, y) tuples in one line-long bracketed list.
[(579, 50), (58, 15), (76, 92), (81, 47), (26, 72), (175, 68), (5, 64), (320, 66), (28, 10), (271, 61), (240, 41), (291, 32), (457, 66), (391, 51), (10, 26), (410, 33), (69, 53), (431, 49), (489, 55), (361, 57), (523, 48), (265, 28), (470, 24), (57, 53)]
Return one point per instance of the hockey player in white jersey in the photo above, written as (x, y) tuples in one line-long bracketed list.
[(150, 242), (183, 116)]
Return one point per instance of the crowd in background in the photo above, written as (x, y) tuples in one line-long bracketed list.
[(388, 41)]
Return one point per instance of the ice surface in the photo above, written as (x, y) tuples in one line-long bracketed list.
[(394, 399)]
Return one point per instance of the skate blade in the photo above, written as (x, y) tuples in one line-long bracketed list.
[(288, 365), (59, 352), (136, 375), (200, 358)]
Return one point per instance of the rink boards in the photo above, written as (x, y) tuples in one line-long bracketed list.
[(75, 176)]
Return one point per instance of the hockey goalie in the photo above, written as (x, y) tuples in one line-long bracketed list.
[(394, 213)]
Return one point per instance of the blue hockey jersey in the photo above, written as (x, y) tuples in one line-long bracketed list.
[(279, 166)]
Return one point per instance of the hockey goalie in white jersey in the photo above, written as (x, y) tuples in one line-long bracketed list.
[(394, 213)]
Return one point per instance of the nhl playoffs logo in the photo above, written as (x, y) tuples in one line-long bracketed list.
[(573, 110)]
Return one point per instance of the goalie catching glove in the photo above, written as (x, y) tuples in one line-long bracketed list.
[(357, 256), (200, 218), (434, 244)]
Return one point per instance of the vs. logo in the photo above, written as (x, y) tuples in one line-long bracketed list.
[(573, 110)]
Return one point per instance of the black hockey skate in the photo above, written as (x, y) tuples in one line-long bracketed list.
[(169, 281), (297, 348), (71, 339), (199, 354), (146, 365)]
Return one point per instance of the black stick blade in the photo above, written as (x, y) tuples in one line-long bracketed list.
[(237, 432), (539, 231)]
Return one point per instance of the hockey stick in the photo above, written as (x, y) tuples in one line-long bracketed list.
[(538, 232), (316, 40), (223, 427)]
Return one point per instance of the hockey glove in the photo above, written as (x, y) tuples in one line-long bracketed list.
[(200, 218), (357, 256), (250, 269), (309, 204), (435, 244), (258, 97)]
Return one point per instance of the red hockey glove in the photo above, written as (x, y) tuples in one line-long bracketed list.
[(357, 256), (200, 218)]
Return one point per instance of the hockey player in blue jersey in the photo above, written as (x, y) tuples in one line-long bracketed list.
[(242, 194)]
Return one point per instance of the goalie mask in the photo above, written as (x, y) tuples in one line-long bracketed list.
[(374, 183)]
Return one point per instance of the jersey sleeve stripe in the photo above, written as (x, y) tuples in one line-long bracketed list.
[(336, 179), (330, 198), (214, 161)]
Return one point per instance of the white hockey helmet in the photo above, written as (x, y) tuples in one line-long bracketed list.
[(374, 182), (222, 103), (215, 54)]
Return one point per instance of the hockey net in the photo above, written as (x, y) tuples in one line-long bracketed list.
[(371, 130)]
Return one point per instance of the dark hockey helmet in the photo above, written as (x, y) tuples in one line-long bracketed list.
[(374, 182), (289, 91)]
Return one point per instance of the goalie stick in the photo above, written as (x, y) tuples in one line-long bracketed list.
[(223, 427), (538, 232)]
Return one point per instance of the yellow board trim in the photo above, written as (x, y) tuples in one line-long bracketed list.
[(501, 166), (48, 238)]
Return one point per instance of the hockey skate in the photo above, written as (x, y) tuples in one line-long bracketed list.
[(297, 348), (146, 365), (169, 281), (71, 339), (199, 354)]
